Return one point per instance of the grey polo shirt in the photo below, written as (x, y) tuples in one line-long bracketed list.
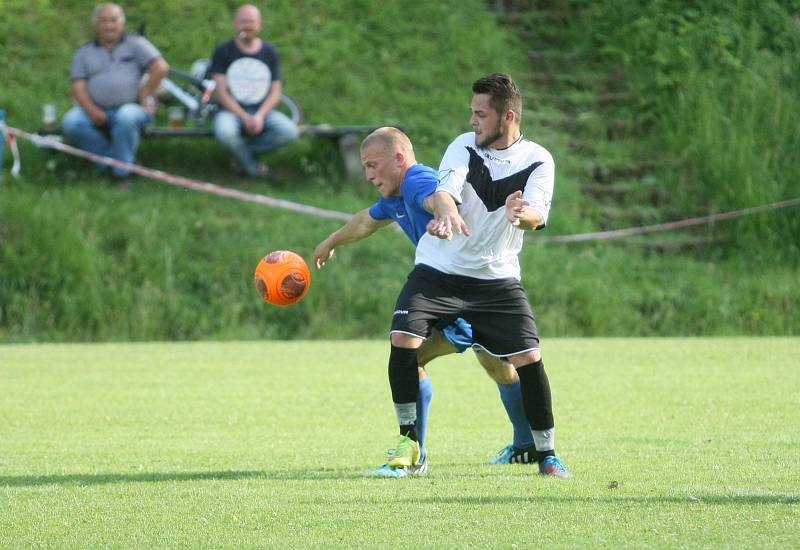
[(113, 76)]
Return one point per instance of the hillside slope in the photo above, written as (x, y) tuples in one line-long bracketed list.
[(81, 261)]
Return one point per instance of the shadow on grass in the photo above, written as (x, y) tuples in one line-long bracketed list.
[(141, 477), (156, 477), (698, 500), (348, 474)]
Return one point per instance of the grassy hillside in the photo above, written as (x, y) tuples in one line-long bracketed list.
[(349, 62), (80, 260)]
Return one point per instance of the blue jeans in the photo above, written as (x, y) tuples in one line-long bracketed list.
[(120, 140), (279, 130)]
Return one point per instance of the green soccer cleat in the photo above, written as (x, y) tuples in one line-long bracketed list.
[(416, 470), (405, 453)]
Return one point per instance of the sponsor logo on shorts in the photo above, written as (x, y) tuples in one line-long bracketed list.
[(400, 312)]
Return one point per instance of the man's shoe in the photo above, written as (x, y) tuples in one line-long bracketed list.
[(262, 171), (404, 454), (552, 466), (511, 455), (388, 471), (125, 184), (419, 469)]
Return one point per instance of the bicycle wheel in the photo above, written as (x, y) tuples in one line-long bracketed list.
[(292, 108)]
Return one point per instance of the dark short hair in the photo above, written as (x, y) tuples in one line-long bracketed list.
[(503, 92)]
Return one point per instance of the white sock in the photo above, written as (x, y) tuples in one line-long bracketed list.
[(545, 440), (406, 413)]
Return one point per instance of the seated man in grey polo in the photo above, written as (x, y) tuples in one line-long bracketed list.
[(247, 71), (113, 104)]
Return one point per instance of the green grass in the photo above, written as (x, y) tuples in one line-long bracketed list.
[(674, 443)]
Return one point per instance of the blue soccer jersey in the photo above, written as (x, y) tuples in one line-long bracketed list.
[(409, 212)]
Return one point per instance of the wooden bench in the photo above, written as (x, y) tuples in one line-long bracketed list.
[(348, 139)]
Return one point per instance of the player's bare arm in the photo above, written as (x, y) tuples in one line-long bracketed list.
[(447, 220), (428, 205), (361, 226), (519, 215)]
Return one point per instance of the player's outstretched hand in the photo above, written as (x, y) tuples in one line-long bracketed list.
[(515, 205), (447, 225), (322, 254), (436, 228)]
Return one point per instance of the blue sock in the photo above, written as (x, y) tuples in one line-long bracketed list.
[(511, 395), (423, 405)]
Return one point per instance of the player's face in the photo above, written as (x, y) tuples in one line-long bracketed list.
[(109, 25), (382, 169), (486, 123)]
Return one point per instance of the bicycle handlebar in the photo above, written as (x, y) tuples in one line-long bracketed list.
[(199, 82)]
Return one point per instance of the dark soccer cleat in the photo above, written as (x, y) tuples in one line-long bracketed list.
[(511, 455)]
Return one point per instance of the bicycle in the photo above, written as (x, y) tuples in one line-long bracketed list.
[(197, 97)]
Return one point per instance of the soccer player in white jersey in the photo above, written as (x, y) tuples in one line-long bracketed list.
[(406, 186), (493, 185)]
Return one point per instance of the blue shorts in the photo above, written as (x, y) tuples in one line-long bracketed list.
[(458, 333)]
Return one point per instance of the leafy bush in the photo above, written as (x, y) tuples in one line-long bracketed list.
[(717, 86)]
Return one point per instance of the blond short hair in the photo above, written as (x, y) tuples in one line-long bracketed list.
[(390, 139)]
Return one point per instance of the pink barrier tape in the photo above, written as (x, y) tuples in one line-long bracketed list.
[(53, 143), (630, 231)]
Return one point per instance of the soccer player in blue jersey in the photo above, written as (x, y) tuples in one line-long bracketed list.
[(406, 188), (494, 184)]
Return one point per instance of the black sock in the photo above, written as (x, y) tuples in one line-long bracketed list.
[(404, 381), (409, 430), (403, 375), (541, 455), (536, 398)]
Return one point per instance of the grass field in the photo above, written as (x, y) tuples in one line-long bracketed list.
[(673, 443)]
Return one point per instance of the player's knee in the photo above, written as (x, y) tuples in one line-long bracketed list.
[(505, 374), (403, 340), (525, 358), (499, 370)]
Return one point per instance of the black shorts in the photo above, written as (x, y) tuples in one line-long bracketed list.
[(498, 309)]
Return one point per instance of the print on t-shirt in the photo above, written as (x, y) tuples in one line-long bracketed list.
[(249, 80)]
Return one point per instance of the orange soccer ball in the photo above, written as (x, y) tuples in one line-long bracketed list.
[(282, 278)]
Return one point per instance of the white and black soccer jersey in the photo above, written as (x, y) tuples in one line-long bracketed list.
[(480, 180)]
